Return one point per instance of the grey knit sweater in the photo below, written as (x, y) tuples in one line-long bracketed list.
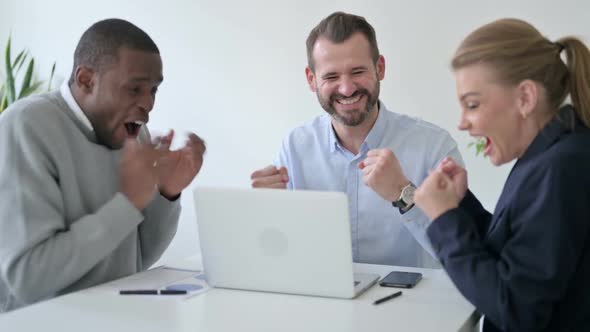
[(63, 224)]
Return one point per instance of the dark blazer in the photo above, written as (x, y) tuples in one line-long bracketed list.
[(527, 266)]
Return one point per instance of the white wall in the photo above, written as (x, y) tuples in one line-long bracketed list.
[(234, 70)]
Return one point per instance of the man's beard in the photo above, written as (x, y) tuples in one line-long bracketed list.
[(358, 116), (104, 135)]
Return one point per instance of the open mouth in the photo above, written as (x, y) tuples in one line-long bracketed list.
[(133, 128), (350, 100), (488, 147)]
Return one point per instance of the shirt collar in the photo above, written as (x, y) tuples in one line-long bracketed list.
[(564, 122), (66, 93), (373, 138), (376, 133)]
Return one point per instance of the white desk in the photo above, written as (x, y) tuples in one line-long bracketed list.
[(433, 305)]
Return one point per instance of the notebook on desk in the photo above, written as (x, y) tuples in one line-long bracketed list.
[(283, 241)]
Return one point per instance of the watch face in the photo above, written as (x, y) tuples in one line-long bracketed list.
[(408, 194)]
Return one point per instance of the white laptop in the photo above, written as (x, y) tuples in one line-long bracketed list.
[(283, 241)]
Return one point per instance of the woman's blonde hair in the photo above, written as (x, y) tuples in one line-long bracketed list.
[(517, 51)]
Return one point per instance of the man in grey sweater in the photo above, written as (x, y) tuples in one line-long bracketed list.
[(85, 197)]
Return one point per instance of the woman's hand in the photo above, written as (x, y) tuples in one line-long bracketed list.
[(437, 194), (457, 175)]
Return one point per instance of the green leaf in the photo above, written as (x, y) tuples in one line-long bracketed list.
[(18, 58), (20, 64), (31, 89), (51, 77), (28, 77), (4, 103), (9, 75), (480, 145)]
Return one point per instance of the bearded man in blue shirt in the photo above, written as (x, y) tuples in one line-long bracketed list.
[(359, 147)]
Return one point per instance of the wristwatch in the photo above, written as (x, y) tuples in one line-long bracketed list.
[(406, 198)]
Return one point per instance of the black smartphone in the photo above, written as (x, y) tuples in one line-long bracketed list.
[(401, 279)]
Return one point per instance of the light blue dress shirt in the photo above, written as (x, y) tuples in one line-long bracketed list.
[(315, 160)]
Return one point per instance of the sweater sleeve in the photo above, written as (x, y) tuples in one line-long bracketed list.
[(41, 253), (158, 228)]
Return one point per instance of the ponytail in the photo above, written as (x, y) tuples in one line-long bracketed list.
[(578, 64)]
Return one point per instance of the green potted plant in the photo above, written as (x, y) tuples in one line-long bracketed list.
[(12, 69)]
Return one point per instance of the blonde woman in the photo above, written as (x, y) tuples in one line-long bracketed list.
[(527, 266)]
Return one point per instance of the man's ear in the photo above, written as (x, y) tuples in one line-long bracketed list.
[(84, 79), (381, 67), (309, 74), (528, 97)]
